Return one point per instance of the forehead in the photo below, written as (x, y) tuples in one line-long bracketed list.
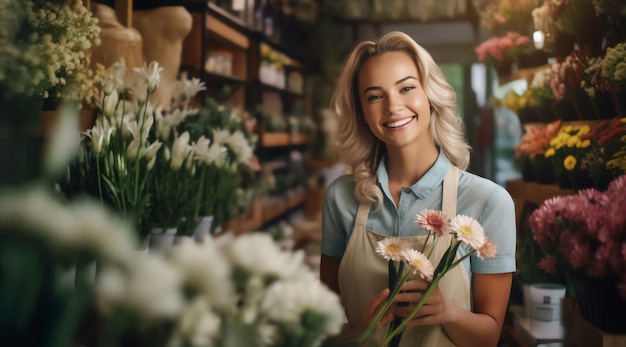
[(386, 69)]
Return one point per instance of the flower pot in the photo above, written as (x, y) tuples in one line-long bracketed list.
[(582, 103), (619, 101), (161, 238), (565, 110), (601, 181), (579, 179), (528, 115), (526, 168), (600, 303), (204, 228), (545, 113), (542, 170), (603, 105), (21, 141), (562, 179)]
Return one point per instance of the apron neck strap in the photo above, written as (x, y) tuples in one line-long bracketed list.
[(450, 185)]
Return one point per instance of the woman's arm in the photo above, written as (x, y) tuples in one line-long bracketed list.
[(482, 327)]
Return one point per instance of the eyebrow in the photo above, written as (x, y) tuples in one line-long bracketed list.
[(397, 82)]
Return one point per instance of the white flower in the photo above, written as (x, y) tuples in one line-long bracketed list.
[(192, 87), (392, 248), (100, 136), (419, 263), (209, 153), (468, 231), (287, 303), (151, 74), (152, 288), (238, 143), (197, 324), (149, 152), (205, 270), (115, 77), (259, 254), (180, 150), (110, 103)]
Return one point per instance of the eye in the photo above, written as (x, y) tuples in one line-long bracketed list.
[(373, 98), (407, 89)]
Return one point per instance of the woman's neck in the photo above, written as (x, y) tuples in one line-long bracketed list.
[(405, 167)]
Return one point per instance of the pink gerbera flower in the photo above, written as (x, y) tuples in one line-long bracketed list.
[(435, 222), (488, 250)]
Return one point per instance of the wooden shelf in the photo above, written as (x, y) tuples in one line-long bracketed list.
[(532, 192)]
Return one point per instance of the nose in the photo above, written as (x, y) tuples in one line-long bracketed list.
[(394, 104)]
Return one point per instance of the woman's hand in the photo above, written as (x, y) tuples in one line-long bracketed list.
[(353, 333), (435, 309)]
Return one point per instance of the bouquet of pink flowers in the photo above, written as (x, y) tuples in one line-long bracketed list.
[(406, 263), (584, 233), (503, 48)]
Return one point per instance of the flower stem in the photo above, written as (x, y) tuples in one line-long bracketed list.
[(381, 313)]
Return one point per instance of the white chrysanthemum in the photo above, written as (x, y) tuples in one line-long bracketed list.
[(287, 302), (258, 253), (204, 269), (153, 287), (197, 324), (419, 263), (468, 231), (392, 248)]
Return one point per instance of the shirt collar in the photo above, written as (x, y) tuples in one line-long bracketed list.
[(432, 179)]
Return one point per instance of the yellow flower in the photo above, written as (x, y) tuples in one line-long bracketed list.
[(569, 163), (549, 152)]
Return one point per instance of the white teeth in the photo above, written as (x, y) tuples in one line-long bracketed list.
[(399, 123)]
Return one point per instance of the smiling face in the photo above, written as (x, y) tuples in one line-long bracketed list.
[(394, 104)]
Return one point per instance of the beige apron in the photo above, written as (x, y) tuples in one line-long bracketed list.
[(363, 273)]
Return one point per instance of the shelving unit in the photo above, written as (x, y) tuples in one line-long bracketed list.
[(217, 34)]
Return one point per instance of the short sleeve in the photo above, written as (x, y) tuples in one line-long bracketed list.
[(336, 221), (498, 221)]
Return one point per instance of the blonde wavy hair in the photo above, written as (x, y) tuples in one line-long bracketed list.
[(359, 149)]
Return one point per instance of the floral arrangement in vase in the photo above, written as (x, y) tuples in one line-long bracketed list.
[(536, 139), (52, 59), (225, 141), (566, 151), (607, 157), (530, 152), (584, 235), (406, 263)]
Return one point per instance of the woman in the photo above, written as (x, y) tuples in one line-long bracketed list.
[(399, 137)]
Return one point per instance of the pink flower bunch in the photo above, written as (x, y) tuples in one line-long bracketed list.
[(571, 72), (584, 233), (498, 48)]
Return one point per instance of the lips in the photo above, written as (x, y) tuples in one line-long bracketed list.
[(399, 122)]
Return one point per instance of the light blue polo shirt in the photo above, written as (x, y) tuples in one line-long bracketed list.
[(487, 202)]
